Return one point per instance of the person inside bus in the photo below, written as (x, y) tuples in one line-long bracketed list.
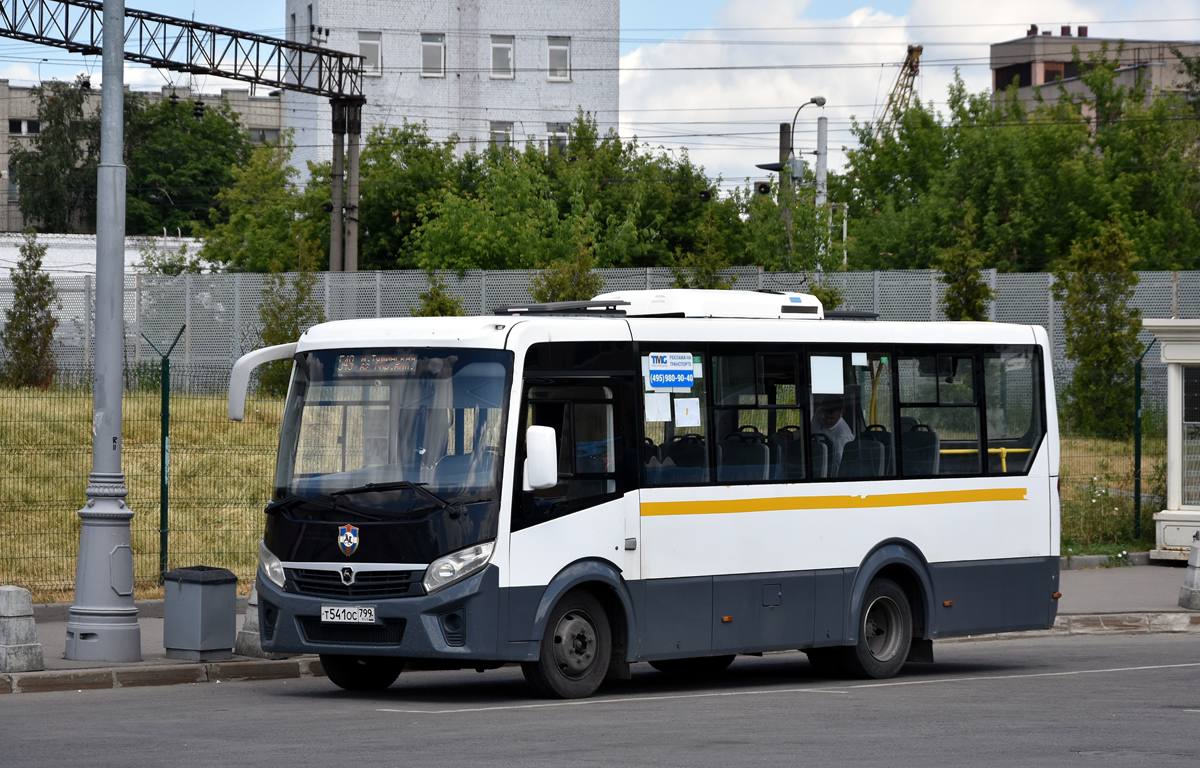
[(827, 420)]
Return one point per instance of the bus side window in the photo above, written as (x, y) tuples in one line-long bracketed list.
[(675, 447), (939, 415), (1012, 386), (585, 422), (757, 419)]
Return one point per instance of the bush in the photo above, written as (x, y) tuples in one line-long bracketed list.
[(29, 324)]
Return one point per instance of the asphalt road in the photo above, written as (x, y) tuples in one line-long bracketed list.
[(1061, 701)]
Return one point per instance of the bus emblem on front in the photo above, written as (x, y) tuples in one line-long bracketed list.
[(348, 539)]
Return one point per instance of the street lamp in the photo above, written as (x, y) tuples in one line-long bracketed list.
[(820, 102)]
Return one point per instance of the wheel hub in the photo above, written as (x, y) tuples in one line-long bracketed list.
[(575, 644), (881, 629)]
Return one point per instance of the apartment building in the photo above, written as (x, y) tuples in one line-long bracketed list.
[(485, 70), (1042, 58), (260, 115)]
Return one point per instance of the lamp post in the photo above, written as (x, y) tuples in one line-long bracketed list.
[(787, 161), (820, 102)]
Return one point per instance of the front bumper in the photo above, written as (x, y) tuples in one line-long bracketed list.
[(459, 622)]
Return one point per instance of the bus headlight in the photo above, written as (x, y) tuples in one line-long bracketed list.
[(270, 565), (456, 566)]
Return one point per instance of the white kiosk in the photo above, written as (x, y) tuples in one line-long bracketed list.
[(1177, 527)]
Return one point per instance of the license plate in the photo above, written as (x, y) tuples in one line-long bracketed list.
[(348, 614)]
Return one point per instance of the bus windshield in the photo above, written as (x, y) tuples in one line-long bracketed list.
[(400, 432)]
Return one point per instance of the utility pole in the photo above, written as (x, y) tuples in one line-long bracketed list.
[(337, 229), (103, 623), (822, 159), (786, 181), (353, 129)]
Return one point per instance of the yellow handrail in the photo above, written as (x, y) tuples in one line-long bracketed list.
[(1002, 451)]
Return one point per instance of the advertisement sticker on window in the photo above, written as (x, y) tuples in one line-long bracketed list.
[(671, 370)]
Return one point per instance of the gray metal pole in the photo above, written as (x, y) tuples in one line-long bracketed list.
[(822, 159), (786, 183), (353, 129), (103, 623), (337, 229)]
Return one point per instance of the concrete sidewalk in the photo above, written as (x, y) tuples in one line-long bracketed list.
[(1132, 599)]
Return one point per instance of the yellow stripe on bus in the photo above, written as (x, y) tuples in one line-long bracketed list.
[(735, 506)]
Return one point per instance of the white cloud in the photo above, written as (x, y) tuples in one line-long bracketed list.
[(773, 59)]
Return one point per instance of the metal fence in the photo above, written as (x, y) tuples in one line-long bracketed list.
[(220, 471), (221, 310), (219, 474)]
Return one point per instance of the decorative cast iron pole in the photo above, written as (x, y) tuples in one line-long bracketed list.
[(103, 624)]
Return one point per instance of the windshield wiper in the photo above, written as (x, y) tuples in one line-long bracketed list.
[(454, 510), (294, 500)]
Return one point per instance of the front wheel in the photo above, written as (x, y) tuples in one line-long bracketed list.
[(576, 649), (362, 673), (884, 633)]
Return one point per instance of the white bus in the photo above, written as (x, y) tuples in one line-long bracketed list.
[(674, 477)]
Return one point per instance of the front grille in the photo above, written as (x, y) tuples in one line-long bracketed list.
[(391, 632), (368, 585)]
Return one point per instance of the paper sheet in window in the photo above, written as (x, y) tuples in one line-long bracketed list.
[(658, 406), (827, 375), (687, 411)]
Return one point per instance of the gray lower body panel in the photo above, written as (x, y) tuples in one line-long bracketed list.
[(673, 618)]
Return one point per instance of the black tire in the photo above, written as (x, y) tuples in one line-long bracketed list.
[(884, 633), (706, 666), (362, 673), (575, 652), (826, 662)]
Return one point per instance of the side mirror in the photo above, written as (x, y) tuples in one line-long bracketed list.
[(541, 458), (239, 377)]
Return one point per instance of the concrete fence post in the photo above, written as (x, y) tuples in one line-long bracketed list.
[(19, 649)]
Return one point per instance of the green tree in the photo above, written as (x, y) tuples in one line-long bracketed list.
[(703, 268), (257, 224), (177, 164), (28, 333), (56, 169), (960, 265), (287, 309), (159, 261), (1094, 284), (437, 301)]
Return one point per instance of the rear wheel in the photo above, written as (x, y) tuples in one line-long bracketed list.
[(884, 633), (706, 666), (576, 649), (362, 673)]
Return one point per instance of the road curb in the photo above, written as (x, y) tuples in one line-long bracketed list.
[(166, 674), (1078, 562), (1174, 622)]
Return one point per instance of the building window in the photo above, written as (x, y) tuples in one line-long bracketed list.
[(501, 133), (14, 126), (263, 135), (559, 58), (557, 136), (502, 56), (293, 33), (370, 47), (24, 126), (433, 55), (14, 191)]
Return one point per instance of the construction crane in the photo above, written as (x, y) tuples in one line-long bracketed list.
[(901, 95)]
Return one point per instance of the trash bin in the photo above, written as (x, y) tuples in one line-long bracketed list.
[(199, 613)]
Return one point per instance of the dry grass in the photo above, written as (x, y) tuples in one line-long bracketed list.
[(220, 480)]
